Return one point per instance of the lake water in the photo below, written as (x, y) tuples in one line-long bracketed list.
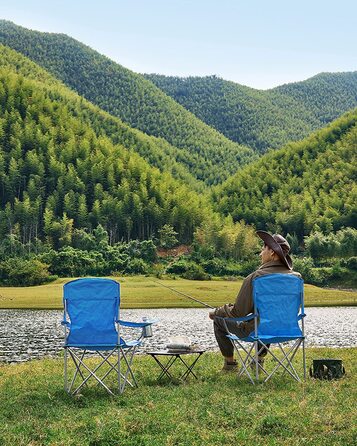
[(30, 334)]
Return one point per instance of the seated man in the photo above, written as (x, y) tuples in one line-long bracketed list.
[(275, 259)]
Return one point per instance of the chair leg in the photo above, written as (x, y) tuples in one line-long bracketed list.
[(116, 366), (81, 368), (256, 361), (119, 375), (285, 362), (304, 358), (128, 368), (290, 360), (92, 373), (65, 369), (244, 361), (281, 362), (77, 365), (111, 366)]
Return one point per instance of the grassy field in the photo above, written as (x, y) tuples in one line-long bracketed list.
[(146, 292), (217, 409)]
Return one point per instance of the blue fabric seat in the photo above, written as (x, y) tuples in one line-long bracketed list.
[(279, 318), (92, 324), (266, 338)]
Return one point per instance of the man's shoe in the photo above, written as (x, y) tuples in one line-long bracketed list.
[(229, 366)]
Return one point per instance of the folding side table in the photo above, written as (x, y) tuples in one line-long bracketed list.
[(173, 356)]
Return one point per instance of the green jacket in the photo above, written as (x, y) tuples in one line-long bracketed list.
[(244, 301)]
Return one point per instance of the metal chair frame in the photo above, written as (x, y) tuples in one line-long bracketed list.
[(123, 354), (252, 352)]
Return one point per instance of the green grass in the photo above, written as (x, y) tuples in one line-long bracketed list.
[(145, 292), (217, 409)]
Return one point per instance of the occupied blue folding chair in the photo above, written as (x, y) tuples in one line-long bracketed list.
[(91, 323), (279, 318)]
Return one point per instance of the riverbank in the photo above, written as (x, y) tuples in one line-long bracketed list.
[(146, 292), (217, 409)]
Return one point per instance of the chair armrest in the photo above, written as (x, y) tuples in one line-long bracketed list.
[(64, 322), (301, 316), (136, 324), (238, 319)]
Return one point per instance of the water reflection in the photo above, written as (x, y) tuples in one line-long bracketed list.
[(30, 334)]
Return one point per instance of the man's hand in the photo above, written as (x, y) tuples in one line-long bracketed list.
[(211, 315)]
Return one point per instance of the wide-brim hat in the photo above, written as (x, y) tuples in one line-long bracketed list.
[(279, 245)]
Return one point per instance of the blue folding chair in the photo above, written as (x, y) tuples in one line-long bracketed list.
[(279, 318), (91, 324)]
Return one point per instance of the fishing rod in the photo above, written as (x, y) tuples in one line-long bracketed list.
[(183, 294)]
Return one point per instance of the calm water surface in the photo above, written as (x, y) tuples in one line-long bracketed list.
[(30, 334)]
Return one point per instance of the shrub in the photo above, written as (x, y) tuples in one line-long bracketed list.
[(195, 272), (214, 266), (19, 272), (137, 266), (321, 276), (202, 252), (342, 243), (115, 259), (305, 266), (318, 276), (145, 250), (220, 267), (180, 266), (70, 262), (319, 245), (247, 267), (188, 270), (158, 270)]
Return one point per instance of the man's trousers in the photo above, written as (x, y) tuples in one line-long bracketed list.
[(224, 343)]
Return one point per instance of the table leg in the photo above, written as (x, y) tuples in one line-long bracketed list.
[(189, 370), (165, 367)]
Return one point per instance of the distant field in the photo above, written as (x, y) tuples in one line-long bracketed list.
[(146, 292)]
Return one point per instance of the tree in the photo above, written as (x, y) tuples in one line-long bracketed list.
[(167, 237)]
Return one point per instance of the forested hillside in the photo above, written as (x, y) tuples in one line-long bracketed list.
[(326, 95), (305, 186), (59, 171), (207, 154), (83, 193), (264, 119), (156, 151)]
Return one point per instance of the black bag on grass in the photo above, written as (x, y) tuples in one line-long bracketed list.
[(327, 369)]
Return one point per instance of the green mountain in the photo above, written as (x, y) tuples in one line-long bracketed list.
[(264, 119), (156, 151), (208, 155), (60, 171), (305, 186)]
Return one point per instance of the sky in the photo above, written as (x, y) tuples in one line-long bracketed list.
[(258, 43)]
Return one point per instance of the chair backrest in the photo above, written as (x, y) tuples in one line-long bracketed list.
[(277, 299), (92, 305)]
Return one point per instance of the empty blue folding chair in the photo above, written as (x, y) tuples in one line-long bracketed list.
[(279, 318), (91, 322)]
